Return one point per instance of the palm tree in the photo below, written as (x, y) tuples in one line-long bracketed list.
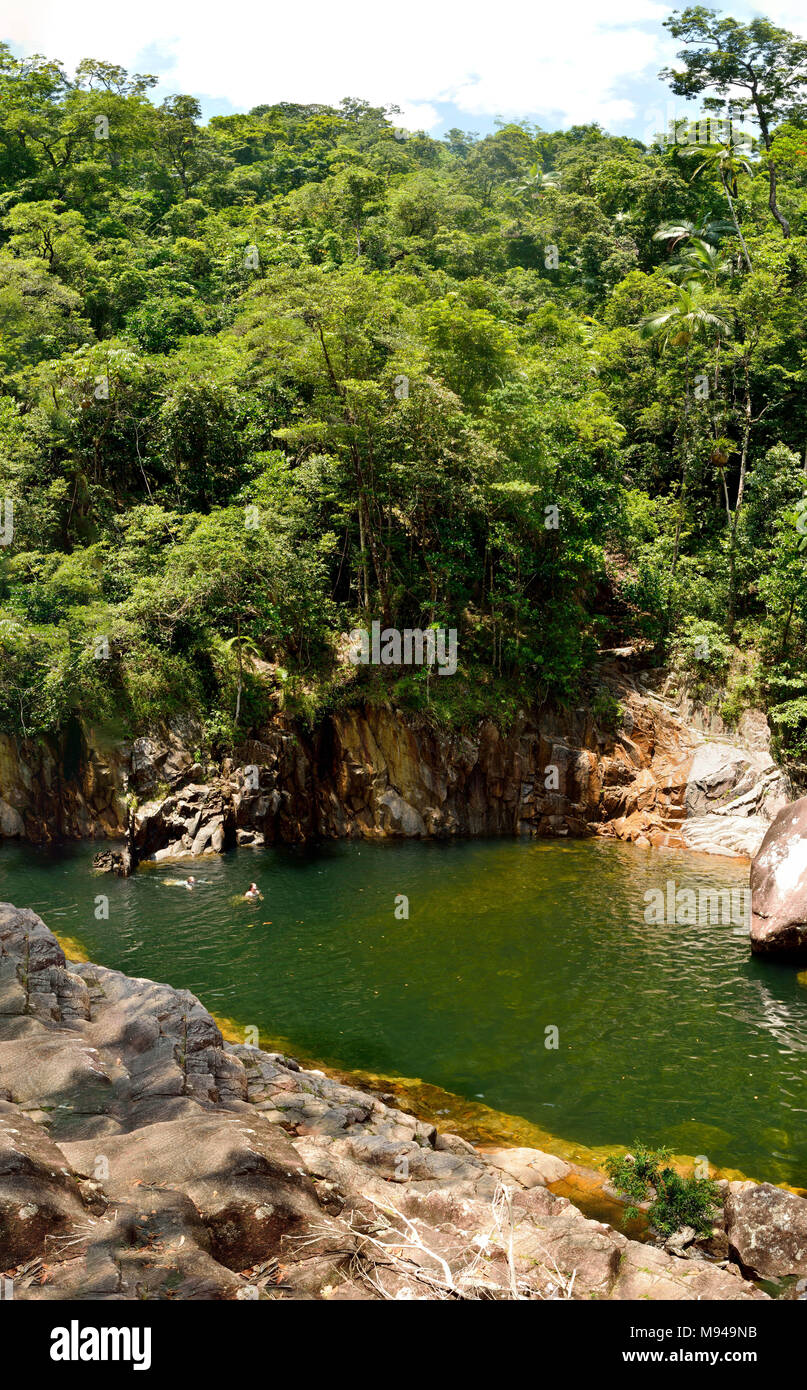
[(687, 319), (680, 325), (708, 229), (728, 161), (241, 645), (701, 263), (536, 181)]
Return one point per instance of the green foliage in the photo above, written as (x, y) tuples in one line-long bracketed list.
[(789, 720), (681, 1202), (606, 710), (701, 651), (268, 378), (633, 1174)]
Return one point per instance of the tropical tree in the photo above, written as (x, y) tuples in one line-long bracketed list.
[(755, 67), (242, 645), (708, 228), (535, 182), (728, 161), (689, 318), (700, 262)]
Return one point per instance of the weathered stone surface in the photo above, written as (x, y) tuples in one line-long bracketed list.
[(374, 772), (779, 887), (25, 939), (39, 1195), (153, 1160), (646, 1272), (720, 773), (110, 861), (718, 833), (401, 819), (767, 1229), (38, 803), (59, 1070), (529, 1167), (11, 822), (243, 1176)]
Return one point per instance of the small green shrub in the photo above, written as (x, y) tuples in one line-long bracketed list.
[(632, 1174), (684, 1202), (676, 1201), (702, 650), (606, 710)]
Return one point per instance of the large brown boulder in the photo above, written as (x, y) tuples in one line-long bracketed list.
[(767, 1230), (779, 887)]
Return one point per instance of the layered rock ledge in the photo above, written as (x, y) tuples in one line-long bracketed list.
[(141, 1156)]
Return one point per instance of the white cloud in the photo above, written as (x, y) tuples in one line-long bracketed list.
[(511, 59)]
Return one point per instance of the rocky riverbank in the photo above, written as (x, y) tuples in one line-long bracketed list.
[(141, 1156)]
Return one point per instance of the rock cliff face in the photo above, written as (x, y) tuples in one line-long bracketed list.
[(373, 772), (142, 1157), (74, 789)]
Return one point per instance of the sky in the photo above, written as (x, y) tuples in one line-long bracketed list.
[(443, 62)]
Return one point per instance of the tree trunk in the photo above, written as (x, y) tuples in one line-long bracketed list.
[(365, 520), (730, 202), (240, 673), (684, 470), (726, 496), (766, 140), (364, 578), (786, 633), (747, 422)]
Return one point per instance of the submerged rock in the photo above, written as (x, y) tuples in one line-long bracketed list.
[(113, 861), (779, 887)]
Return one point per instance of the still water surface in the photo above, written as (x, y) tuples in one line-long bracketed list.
[(670, 1033)]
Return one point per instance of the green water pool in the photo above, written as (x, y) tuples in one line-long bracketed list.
[(668, 1032)]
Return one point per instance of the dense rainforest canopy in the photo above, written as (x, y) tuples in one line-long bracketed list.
[(269, 378)]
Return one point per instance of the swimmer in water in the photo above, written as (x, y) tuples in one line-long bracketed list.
[(190, 882), (253, 894)]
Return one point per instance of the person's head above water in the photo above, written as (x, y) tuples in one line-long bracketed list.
[(190, 879)]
